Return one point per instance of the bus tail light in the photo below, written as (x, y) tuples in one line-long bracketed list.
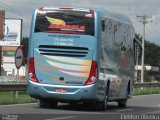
[(93, 74), (31, 71), (91, 11), (40, 8)]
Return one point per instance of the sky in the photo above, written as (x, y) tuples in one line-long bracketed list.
[(24, 9)]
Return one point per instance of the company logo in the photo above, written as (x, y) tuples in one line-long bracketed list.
[(9, 35), (68, 27), (6, 32), (60, 24), (55, 21)]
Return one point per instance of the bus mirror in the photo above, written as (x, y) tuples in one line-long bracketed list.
[(103, 25)]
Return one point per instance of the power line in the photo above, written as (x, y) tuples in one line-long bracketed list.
[(13, 11), (152, 32), (156, 30), (6, 7), (155, 36)]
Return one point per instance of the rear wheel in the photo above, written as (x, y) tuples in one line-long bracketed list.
[(52, 104), (122, 103), (73, 103), (128, 90), (42, 103), (47, 103), (103, 104)]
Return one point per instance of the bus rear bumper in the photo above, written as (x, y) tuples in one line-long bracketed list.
[(62, 93)]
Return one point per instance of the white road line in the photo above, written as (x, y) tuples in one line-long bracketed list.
[(124, 110), (147, 95), (154, 112), (17, 104), (61, 118)]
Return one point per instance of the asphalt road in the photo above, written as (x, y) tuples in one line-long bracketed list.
[(138, 107)]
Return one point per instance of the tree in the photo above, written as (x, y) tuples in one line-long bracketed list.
[(152, 56), (152, 53)]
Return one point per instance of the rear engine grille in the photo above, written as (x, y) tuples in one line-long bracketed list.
[(68, 51)]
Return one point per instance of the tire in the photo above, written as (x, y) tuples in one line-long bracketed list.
[(102, 105), (128, 90), (42, 103), (73, 103), (52, 104), (87, 103), (122, 103), (47, 103)]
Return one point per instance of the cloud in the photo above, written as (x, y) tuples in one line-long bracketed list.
[(132, 8)]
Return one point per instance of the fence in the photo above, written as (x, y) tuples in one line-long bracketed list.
[(8, 83), (12, 83), (147, 84)]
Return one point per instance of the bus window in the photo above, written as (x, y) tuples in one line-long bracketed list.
[(65, 22)]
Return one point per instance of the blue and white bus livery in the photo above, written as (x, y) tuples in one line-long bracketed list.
[(79, 55)]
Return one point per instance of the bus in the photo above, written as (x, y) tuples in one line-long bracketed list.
[(80, 55)]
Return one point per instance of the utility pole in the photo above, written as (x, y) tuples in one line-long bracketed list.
[(144, 22), (2, 17), (137, 50)]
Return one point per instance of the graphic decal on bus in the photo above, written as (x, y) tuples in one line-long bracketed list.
[(65, 22), (60, 24), (74, 70), (68, 66), (55, 21)]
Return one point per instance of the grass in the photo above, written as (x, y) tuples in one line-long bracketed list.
[(7, 97), (146, 91)]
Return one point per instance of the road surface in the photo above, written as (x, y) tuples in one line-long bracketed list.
[(138, 105)]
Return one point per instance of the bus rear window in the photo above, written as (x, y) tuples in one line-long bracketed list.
[(65, 22)]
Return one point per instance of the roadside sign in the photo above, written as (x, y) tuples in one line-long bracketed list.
[(19, 57), (12, 32)]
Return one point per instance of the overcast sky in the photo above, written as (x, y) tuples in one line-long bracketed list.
[(24, 9)]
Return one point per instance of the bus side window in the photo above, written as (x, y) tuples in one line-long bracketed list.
[(103, 25)]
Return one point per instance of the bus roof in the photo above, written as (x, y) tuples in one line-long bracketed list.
[(106, 13), (114, 15), (117, 17)]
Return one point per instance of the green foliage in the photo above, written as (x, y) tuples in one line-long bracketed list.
[(152, 53), (146, 91), (152, 58), (7, 98)]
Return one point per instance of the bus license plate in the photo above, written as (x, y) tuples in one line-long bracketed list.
[(60, 90)]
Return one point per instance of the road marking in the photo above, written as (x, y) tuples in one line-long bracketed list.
[(124, 110), (146, 95), (61, 118), (17, 105), (154, 112)]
